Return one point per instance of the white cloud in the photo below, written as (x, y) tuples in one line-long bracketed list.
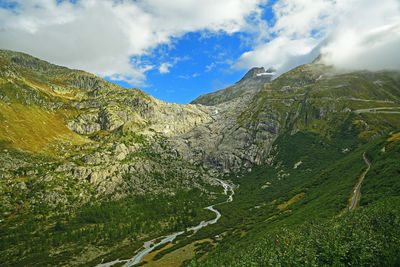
[(189, 76), (101, 36), (210, 67), (351, 34), (282, 53), (366, 36), (164, 68)]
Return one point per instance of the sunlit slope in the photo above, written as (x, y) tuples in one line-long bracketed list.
[(34, 103), (318, 99), (37, 99), (296, 212)]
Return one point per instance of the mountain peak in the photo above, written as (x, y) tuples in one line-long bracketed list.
[(258, 72), (253, 72), (248, 85)]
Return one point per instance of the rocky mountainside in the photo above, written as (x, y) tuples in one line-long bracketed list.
[(233, 129), (251, 82), (74, 148), (311, 97), (80, 117)]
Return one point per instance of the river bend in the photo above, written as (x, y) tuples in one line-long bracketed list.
[(150, 245)]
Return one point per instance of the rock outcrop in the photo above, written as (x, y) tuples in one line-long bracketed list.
[(251, 82), (229, 143)]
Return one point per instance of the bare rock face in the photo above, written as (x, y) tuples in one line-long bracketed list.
[(227, 144), (159, 116), (214, 136), (109, 119), (249, 85), (85, 124), (87, 82), (256, 72)]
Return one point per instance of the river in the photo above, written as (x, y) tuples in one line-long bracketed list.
[(150, 245)]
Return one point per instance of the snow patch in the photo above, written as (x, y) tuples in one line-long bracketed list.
[(265, 74)]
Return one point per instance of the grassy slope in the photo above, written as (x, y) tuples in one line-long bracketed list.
[(36, 100), (329, 144), (53, 221), (326, 150), (307, 230), (366, 237), (32, 128), (27, 119), (49, 217), (315, 189)]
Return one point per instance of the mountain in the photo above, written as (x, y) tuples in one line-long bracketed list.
[(89, 170), (70, 114), (251, 82), (80, 155)]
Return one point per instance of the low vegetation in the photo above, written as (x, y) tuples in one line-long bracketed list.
[(96, 190), (308, 222)]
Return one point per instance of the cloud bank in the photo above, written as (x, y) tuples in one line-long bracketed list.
[(350, 34), (365, 36), (107, 37)]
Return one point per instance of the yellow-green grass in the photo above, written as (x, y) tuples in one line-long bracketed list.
[(290, 201), (33, 129), (176, 257), (395, 137)]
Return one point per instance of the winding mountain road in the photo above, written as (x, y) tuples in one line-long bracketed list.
[(387, 110), (149, 246), (357, 194)]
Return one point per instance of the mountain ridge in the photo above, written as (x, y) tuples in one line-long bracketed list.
[(79, 154), (248, 85)]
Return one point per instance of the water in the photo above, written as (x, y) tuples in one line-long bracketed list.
[(149, 246)]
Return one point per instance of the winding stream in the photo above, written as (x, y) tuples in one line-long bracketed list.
[(150, 245)]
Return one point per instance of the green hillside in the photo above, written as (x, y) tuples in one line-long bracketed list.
[(312, 224), (89, 171), (301, 195), (70, 196)]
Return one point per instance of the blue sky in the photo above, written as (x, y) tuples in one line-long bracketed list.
[(198, 65), (177, 50)]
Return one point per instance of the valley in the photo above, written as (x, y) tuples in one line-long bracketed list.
[(301, 169), (149, 246)]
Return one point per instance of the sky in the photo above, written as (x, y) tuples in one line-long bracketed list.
[(177, 50)]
